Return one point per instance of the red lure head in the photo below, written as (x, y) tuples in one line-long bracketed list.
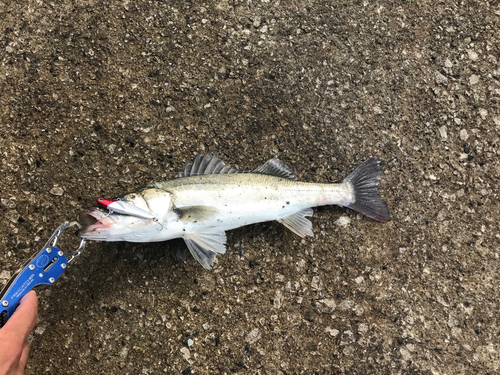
[(104, 203)]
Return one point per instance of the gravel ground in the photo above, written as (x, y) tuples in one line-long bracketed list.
[(98, 98)]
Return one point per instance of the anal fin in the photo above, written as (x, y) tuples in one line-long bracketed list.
[(298, 224)]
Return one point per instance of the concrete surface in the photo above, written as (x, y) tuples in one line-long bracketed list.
[(98, 98)]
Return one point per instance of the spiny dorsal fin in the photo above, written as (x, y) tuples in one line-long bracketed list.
[(298, 223), (275, 167), (206, 164)]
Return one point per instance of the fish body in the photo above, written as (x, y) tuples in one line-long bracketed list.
[(209, 198)]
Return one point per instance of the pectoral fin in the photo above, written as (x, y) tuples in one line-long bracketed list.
[(196, 213), (298, 224)]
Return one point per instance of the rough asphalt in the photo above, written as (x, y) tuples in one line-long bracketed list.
[(97, 98)]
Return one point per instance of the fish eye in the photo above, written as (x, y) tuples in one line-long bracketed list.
[(101, 199), (132, 196)]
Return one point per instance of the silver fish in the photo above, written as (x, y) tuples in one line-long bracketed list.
[(209, 198)]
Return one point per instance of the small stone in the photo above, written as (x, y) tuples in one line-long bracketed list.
[(253, 336), (329, 304), (405, 353), (472, 55), (359, 279), (185, 353), (56, 191), (123, 353), (9, 203), (448, 63), (443, 133), (363, 328), (190, 342), (170, 109), (377, 110), (316, 283), (463, 135), (332, 332), (206, 326), (346, 304), (440, 79), (40, 330), (474, 79), (4, 276), (343, 221), (13, 216)]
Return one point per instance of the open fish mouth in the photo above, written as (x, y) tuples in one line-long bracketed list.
[(102, 225), (95, 219)]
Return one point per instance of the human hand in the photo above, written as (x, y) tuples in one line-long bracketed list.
[(14, 347)]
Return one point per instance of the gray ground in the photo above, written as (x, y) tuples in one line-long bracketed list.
[(98, 98)]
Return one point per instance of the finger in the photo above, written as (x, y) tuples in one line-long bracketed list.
[(24, 355), (24, 318)]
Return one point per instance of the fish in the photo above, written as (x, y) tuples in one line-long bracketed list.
[(209, 198)]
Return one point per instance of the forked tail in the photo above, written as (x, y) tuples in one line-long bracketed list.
[(365, 180)]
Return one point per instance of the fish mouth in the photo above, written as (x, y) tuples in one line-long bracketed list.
[(94, 220), (102, 225)]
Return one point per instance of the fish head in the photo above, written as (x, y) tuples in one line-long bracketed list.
[(104, 224), (101, 225)]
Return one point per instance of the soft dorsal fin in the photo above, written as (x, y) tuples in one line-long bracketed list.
[(206, 164), (277, 168), (298, 223)]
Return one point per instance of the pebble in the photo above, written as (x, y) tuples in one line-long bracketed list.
[(440, 79), (190, 342), (13, 216), (343, 221), (185, 353), (443, 133), (332, 332), (463, 135), (329, 304), (253, 336), (316, 283), (206, 326), (4, 276), (474, 79), (9, 203), (448, 64), (57, 191), (123, 353), (40, 329), (472, 55)]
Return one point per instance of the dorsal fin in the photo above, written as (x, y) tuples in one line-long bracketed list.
[(275, 167), (206, 164)]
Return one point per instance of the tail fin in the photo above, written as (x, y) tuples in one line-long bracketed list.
[(365, 180)]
